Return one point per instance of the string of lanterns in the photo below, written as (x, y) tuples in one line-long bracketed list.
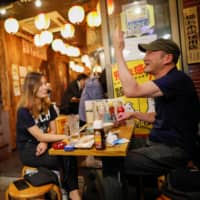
[(76, 15)]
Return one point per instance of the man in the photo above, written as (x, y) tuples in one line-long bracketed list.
[(71, 97), (177, 109)]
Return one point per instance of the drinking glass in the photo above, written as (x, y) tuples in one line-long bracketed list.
[(73, 123)]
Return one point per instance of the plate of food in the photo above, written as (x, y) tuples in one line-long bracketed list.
[(85, 142)]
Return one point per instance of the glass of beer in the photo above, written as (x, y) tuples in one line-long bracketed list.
[(73, 123)]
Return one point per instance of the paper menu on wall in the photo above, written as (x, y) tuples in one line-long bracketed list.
[(137, 19)]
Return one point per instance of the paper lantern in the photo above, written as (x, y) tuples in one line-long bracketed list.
[(46, 37), (76, 14), (37, 40), (67, 31), (93, 19), (42, 21), (11, 25)]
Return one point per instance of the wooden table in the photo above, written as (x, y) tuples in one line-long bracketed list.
[(117, 150)]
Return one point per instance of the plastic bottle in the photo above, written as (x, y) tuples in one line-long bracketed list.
[(112, 112), (120, 109), (99, 135)]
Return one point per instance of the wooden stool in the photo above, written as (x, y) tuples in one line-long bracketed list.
[(163, 197), (161, 181), (32, 191)]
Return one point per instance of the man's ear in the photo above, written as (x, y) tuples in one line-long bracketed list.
[(168, 58)]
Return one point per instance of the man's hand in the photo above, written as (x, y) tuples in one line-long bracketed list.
[(123, 116), (41, 148), (75, 99), (118, 39)]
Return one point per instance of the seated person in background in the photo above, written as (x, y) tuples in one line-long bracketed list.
[(36, 130), (175, 123), (72, 94)]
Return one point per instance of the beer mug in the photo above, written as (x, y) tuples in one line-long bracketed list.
[(73, 123)]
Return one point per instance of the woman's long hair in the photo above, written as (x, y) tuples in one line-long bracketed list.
[(28, 98)]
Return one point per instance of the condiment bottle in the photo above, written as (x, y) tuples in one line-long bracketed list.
[(120, 109), (99, 135), (112, 112)]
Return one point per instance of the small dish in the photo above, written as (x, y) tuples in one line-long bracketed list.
[(85, 142)]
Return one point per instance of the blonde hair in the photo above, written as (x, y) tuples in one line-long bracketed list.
[(28, 98)]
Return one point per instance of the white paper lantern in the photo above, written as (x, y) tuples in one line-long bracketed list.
[(11, 25), (42, 21), (67, 31), (76, 14)]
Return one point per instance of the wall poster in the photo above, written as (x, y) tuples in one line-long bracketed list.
[(134, 104), (15, 80), (191, 28)]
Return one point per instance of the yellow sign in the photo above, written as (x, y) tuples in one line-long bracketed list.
[(134, 104)]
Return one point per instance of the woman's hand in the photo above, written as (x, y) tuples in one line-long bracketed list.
[(41, 148)]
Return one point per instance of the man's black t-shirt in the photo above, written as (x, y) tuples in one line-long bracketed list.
[(177, 111)]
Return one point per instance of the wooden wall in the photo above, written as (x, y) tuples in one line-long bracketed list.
[(12, 52)]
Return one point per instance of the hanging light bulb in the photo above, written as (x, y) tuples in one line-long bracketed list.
[(57, 44), (73, 51), (42, 21), (93, 19), (38, 3), (11, 25), (37, 40), (76, 14), (67, 31), (46, 37)]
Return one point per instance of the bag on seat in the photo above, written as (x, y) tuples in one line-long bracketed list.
[(41, 177)]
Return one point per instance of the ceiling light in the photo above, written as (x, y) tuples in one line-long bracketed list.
[(3, 11), (76, 14), (11, 25), (93, 19), (67, 31), (37, 40), (73, 51), (42, 21), (38, 3), (25, 1), (57, 44), (46, 37)]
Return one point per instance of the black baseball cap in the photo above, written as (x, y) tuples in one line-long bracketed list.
[(161, 44)]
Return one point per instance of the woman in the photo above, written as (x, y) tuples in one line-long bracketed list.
[(36, 130), (95, 88)]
